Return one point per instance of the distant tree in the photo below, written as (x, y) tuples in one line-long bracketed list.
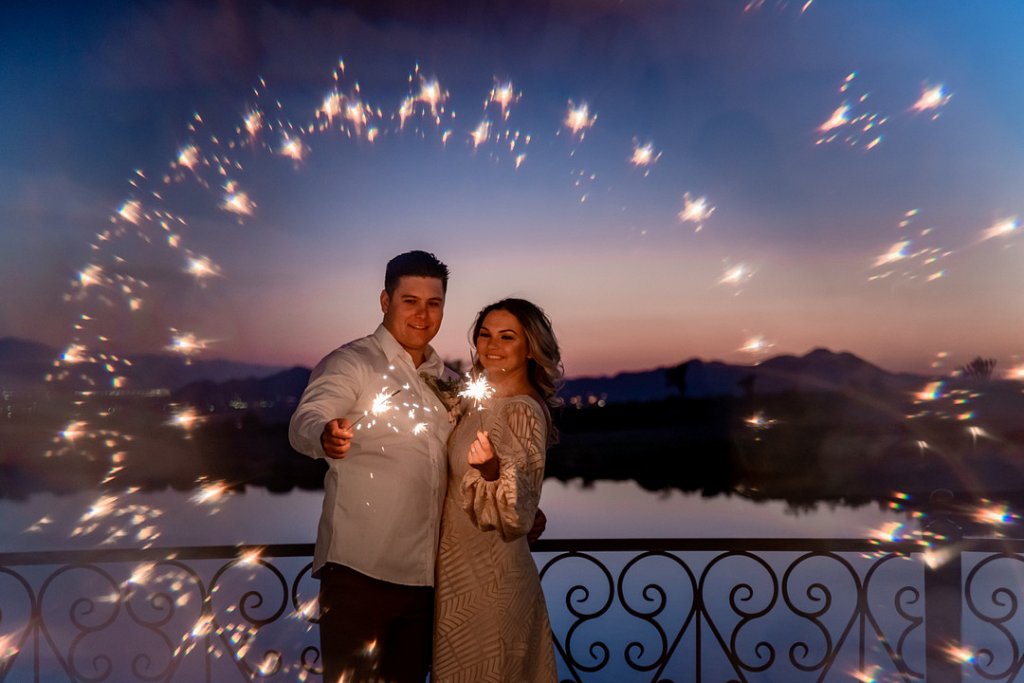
[(676, 377), (979, 367)]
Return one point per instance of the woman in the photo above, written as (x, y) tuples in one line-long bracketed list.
[(491, 622)]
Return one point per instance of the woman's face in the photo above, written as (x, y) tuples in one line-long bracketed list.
[(501, 345)]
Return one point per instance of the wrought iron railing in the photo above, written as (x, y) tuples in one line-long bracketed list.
[(621, 610)]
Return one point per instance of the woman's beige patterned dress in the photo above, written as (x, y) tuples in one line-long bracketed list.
[(491, 622)]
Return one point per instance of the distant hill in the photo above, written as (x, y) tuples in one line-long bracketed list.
[(24, 365), (819, 370)]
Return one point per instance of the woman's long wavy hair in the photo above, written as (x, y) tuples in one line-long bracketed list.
[(544, 367)]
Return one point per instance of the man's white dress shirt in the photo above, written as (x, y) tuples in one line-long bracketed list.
[(382, 501)]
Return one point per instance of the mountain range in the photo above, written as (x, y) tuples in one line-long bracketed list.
[(217, 383)]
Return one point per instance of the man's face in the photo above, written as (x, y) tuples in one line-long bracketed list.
[(413, 313)]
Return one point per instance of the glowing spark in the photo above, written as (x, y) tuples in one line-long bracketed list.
[(419, 428), (897, 252), (995, 515), (888, 532), (74, 354), (931, 392), (840, 117), (103, 506), (481, 134), (250, 557), (90, 276), (736, 275), (695, 211), (271, 662), (868, 675), (188, 157), (254, 122), (200, 267), (756, 345), (644, 155), (976, 431), (331, 106), (578, 119), (142, 573), (131, 211), (1016, 373), (959, 654), (431, 94), (504, 96), (1001, 229), (185, 418), (307, 610), (202, 627), (186, 344), (74, 430), (520, 159), (292, 148), (405, 111), (932, 98), (238, 203), (356, 114), (759, 421)]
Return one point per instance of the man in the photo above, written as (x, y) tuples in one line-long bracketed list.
[(378, 533)]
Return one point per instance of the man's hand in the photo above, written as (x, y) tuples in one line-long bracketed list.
[(336, 438), (481, 456), (540, 522)]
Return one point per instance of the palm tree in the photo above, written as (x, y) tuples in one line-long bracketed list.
[(980, 368)]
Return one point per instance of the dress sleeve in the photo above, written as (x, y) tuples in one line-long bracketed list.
[(509, 503)]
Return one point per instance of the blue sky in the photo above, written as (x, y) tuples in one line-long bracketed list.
[(732, 95)]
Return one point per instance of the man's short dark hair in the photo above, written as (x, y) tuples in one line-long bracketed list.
[(416, 264)]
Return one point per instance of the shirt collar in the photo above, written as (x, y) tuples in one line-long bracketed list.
[(432, 363)]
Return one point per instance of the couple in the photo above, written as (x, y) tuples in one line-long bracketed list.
[(421, 549)]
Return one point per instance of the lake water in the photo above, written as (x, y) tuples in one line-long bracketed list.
[(605, 509)]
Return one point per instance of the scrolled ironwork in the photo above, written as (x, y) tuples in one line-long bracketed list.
[(657, 597), (661, 610), (579, 595), (1006, 600)]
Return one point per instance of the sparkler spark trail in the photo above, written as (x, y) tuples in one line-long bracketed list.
[(840, 117), (932, 98), (201, 267), (186, 343), (695, 211), (481, 134), (291, 148), (1007, 226), (504, 95), (578, 119), (756, 345), (237, 202), (736, 275)]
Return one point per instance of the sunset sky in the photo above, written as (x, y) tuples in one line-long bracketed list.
[(864, 161)]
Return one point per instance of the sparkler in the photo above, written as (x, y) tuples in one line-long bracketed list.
[(478, 390), (756, 345), (381, 404), (186, 343)]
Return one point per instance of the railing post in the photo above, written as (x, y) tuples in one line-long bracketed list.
[(943, 601)]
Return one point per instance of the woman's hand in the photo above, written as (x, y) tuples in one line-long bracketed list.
[(481, 457)]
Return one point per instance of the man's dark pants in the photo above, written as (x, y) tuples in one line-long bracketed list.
[(373, 630)]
